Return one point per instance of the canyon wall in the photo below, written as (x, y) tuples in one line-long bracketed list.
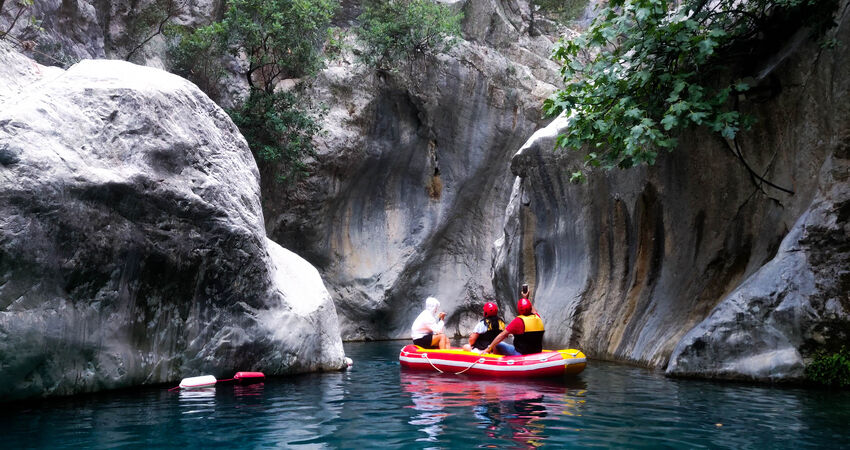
[(412, 174), (684, 262)]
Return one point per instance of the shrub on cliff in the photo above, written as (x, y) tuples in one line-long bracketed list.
[(646, 69), (562, 11), (196, 55), (396, 31), (277, 130), (279, 39), (830, 369)]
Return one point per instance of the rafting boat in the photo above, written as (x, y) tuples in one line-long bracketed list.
[(548, 363)]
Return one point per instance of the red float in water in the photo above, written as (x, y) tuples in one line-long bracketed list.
[(249, 377)]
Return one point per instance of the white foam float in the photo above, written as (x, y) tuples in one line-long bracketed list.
[(197, 382)]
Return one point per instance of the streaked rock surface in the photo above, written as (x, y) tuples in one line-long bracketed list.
[(410, 184), (683, 260)]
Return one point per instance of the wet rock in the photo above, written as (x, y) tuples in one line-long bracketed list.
[(132, 245)]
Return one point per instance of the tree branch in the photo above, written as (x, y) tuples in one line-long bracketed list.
[(755, 178)]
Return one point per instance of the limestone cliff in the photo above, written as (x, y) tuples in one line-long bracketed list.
[(412, 176), (686, 255), (132, 245)]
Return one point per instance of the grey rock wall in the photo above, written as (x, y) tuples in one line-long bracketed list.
[(412, 174), (686, 255), (132, 245), (63, 32), (795, 304)]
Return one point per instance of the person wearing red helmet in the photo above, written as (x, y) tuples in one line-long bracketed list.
[(486, 330), (527, 329)]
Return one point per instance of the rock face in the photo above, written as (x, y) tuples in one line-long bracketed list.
[(70, 31), (798, 302), (686, 255), (132, 246), (412, 176)]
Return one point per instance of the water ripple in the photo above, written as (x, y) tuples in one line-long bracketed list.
[(376, 404)]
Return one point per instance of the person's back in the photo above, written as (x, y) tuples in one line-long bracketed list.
[(527, 329), (487, 329), (427, 329), (530, 338)]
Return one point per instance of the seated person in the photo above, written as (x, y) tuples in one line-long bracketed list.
[(527, 329), (486, 330), (427, 329)]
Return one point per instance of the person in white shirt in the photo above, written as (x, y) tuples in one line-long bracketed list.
[(427, 329)]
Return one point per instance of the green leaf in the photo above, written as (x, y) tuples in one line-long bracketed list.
[(634, 113), (669, 121), (742, 86), (697, 117), (577, 177)]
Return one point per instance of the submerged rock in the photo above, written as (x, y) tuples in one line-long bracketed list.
[(132, 245)]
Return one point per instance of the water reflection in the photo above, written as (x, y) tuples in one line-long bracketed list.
[(250, 390), (497, 406), (194, 395), (377, 405), (197, 401)]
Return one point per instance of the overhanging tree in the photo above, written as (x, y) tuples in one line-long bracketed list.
[(646, 69)]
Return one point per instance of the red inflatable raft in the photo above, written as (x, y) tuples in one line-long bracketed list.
[(548, 363)]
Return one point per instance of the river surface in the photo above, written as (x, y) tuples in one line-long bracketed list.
[(377, 404)]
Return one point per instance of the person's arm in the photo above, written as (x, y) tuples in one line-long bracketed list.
[(472, 338), (498, 339), (437, 327)]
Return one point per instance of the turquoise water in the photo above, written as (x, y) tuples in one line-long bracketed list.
[(376, 404)]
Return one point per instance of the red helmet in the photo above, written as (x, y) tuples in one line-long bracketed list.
[(523, 307), (490, 309)]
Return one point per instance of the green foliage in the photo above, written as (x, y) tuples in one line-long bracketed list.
[(197, 55), (394, 31), (335, 44), (645, 69), (830, 369), (281, 38), (277, 130)]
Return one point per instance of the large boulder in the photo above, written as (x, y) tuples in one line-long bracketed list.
[(627, 264), (132, 245)]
